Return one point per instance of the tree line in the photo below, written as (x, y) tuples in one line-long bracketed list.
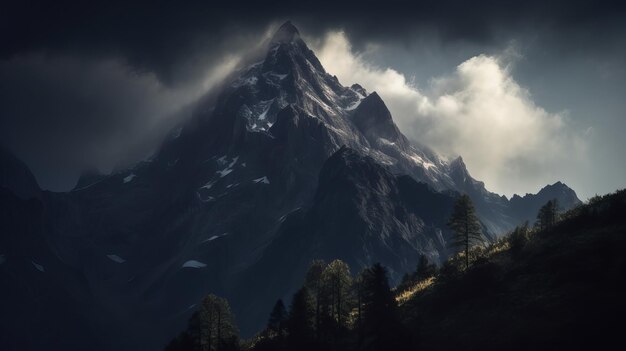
[(211, 327), (331, 311), (335, 310)]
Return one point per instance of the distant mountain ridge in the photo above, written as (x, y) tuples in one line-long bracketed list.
[(14, 175), (522, 205), (286, 163)]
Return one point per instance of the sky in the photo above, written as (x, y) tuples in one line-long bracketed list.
[(527, 93)]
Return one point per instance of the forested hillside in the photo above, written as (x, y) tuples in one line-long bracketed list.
[(557, 284)]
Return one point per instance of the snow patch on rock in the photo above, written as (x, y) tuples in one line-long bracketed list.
[(262, 180), (38, 266), (129, 178), (353, 106), (193, 264), (224, 172), (205, 198), (116, 258), (208, 185), (214, 237)]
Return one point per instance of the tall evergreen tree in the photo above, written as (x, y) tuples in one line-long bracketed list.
[(300, 322), (358, 291), (337, 281), (218, 330), (548, 215), (518, 238), (276, 322), (273, 338), (314, 284), (465, 224), (211, 328), (381, 325), (425, 269)]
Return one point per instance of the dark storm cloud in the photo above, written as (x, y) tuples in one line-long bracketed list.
[(566, 25), (156, 35), (86, 84), (150, 35)]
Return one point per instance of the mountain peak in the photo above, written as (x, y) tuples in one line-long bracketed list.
[(375, 98), (374, 120), (458, 170), (463, 179), (458, 162), (561, 190), (559, 184), (286, 33), (359, 89), (372, 111)]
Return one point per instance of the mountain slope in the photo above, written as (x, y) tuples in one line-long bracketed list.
[(361, 214), (562, 290), (39, 290), (521, 207)]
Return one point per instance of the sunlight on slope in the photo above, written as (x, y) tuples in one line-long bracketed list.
[(418, 287)]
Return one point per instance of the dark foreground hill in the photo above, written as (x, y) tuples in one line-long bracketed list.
[(563, 289)]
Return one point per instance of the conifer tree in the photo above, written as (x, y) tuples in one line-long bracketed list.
[(425, 269), (300, 322), (211, 328), (337, 281), (518, 238), (276, 322), (358, 291), (217, 325), (313, 282), (465, 224), (381, 324), (548, 215)]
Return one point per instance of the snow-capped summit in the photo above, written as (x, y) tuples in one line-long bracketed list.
[(286, 33), (291, 74)]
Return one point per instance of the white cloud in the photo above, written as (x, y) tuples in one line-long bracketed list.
[(479, 112)]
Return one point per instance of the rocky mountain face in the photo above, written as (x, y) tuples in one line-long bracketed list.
[(522, 206), (284, 166), (362, 214), (39, 291)]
